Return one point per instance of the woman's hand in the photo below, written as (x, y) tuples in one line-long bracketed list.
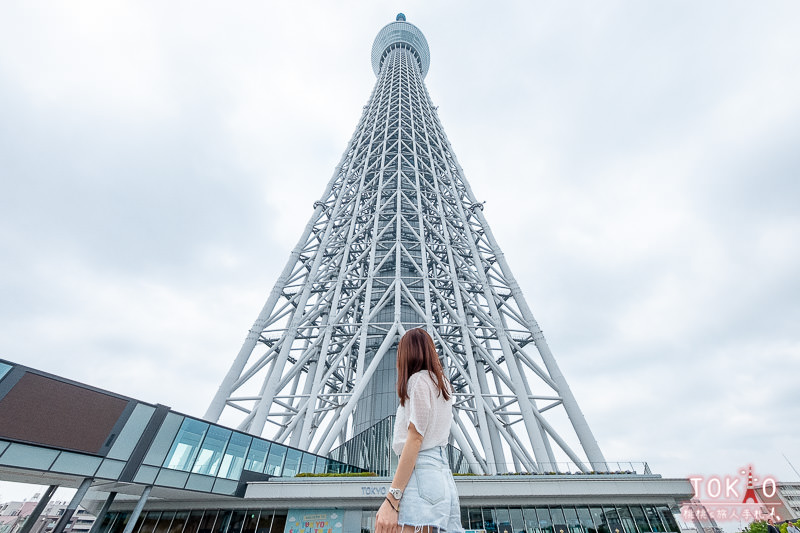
[(386, 519)]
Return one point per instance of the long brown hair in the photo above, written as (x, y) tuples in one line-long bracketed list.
[(416, 352)]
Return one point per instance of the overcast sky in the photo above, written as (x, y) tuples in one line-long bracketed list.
[(639, 163)]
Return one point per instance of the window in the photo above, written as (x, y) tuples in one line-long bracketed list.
[(210, 456), (184, 449), (257, 458), (233, 461)]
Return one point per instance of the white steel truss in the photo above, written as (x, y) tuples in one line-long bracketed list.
[(398, 240)]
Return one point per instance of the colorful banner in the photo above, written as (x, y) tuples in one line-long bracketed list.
[(314, 521)]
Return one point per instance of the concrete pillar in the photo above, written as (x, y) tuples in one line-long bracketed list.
[(102, 513), (137, 510), (73, 505), (37, 511)]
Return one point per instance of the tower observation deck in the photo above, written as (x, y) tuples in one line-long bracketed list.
[(398, 240)]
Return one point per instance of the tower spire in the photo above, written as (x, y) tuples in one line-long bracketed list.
[(398, 240)]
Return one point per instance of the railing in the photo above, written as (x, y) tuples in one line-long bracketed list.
[(566, 468)]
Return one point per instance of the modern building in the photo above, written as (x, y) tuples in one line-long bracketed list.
[(789, 495), (397, 240), (14, 515)]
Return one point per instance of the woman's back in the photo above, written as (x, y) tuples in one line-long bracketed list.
[(427, 409)]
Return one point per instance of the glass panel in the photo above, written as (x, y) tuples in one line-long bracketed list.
[(193, 523), (465, 517), (184, 449), (250, 521), (599, 519), (4, 368), (292, 464), (275, 460), (573, 523), (179, 522), (531, 522), (307, 464), (129, 436), (233, 460), (626, 519), (668, 518), (210, 456), (237, 521), (120, 522), (149, 522), (586, 520), (76, 463), (545, 523), (223, 520), (207, 524), (652, 517), (559, 522), (638, 517), (164, 522), (106, 522), (475, 518), (612, 517), (279, 521), (265, 522), (319, 468), (503, 519), (257, 458), (164, 438), (489, 522)]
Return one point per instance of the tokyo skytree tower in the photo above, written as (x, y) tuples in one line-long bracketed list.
[(396, 241)]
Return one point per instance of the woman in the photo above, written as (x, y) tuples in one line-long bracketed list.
[(423, 495)]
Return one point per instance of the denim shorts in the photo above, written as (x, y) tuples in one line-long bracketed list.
[(430, 498)]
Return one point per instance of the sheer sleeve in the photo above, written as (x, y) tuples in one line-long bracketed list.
[(420, 403)]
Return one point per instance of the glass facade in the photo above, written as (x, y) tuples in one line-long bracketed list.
[(498, 519), (207, 452), (199, 521)]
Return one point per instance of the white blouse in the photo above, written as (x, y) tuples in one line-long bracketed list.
[(427, 409)]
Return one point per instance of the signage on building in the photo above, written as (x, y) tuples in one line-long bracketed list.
[(313, 521)]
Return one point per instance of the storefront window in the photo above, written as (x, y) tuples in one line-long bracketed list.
[(585, 518), (265, 522), (599, 519), (639, 518), (475, 518), (545, 522), (668, 518), (223, 521), (626, 519), (193, 522), (517, 521), (531, 521), (207, 524), (147, 524), (179, 522), (573, 523), (655, 521), (559, 522), (164, 522)]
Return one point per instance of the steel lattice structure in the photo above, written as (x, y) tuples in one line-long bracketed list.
[(398, 240)]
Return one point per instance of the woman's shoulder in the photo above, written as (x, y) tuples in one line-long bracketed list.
[(421, 377)]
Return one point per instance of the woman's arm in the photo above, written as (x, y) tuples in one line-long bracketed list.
[(386, 520)]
